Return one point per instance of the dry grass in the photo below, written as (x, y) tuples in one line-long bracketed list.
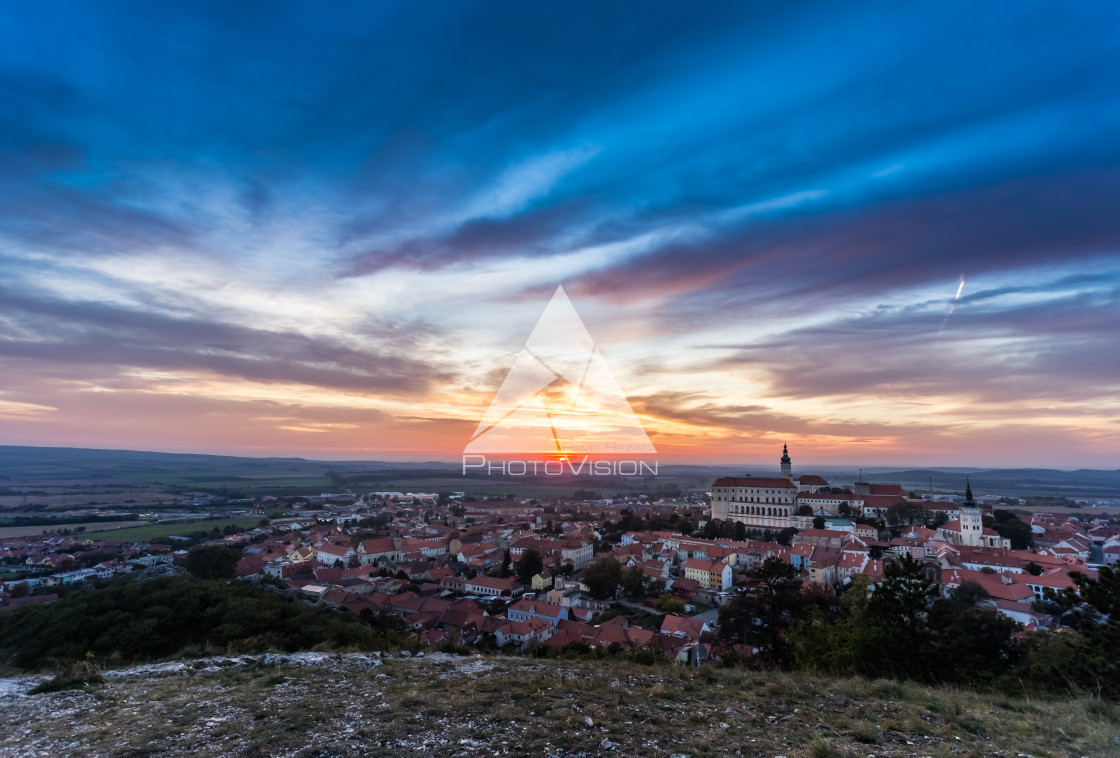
[(496, 706)]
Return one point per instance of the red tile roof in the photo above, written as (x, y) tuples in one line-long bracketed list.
[(750, 481)]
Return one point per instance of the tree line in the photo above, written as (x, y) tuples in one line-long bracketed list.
[(906, 629), (133, 622)]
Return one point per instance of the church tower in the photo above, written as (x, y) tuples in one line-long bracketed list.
[(787, 464), (972, 524)]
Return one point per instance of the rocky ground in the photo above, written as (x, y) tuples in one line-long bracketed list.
[(317, 704)]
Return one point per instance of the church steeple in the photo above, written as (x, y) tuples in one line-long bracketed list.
[(787, 463), (972, 521)]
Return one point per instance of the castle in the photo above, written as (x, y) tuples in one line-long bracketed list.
[(763, 503), (773, 503)]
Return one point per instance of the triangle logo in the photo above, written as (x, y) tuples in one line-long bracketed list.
[(560, 397)]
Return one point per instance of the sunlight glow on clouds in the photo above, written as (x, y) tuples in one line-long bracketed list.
[(332, 237)]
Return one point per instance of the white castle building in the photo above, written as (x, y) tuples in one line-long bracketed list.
[(763, 503), (773, 503)]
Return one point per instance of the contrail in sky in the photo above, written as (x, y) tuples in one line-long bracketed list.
[(952, 306)]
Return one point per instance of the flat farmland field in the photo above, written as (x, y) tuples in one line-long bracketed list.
[(68, 498), (258, 483), (31, 531), (155, 531)]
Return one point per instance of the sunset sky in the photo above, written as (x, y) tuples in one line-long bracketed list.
[(885, 234)]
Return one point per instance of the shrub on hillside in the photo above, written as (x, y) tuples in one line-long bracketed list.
[(158, 618), (212, 562)]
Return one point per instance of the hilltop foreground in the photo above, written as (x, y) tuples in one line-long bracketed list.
[(315, 704)]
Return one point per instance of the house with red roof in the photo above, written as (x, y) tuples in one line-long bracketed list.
[(480, 552), (823, 565), (541, 581), (711, 575), (683, 651), (683, 587), (522, 633), (331, 554), (683, 628), (493, 586), (810, 483), (382, 550), (1024, 614), (523, 610)]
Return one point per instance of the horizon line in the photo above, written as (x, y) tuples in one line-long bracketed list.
[(745, 464)]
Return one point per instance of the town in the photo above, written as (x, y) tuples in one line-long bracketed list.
[(621, 574)]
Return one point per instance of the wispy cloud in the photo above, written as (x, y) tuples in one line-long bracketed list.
[(348, 222)]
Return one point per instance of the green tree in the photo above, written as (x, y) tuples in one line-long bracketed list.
[(649, 654), (669, 604), (971, 646), (157, 618), (1096, 666), (899, 610), (908, 513), (770, 603), (529, 564), (785, 537), (634, 582), (602, 577), (970, 593), (1018, 532), (212, 562)]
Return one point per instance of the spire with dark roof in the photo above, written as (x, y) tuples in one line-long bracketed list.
[(787, 463), (968, 498)]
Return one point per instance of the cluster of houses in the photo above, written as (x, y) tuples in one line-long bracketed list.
[(58, 561), (458, 587), (450, 573)]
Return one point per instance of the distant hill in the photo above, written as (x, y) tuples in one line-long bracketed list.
[(62, 463), (191, 470), (1083, 483)]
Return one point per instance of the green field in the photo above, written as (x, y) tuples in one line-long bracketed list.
[(218, 480), (155, 531)]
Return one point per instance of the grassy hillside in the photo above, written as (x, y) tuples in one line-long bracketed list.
[(475, 706)]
